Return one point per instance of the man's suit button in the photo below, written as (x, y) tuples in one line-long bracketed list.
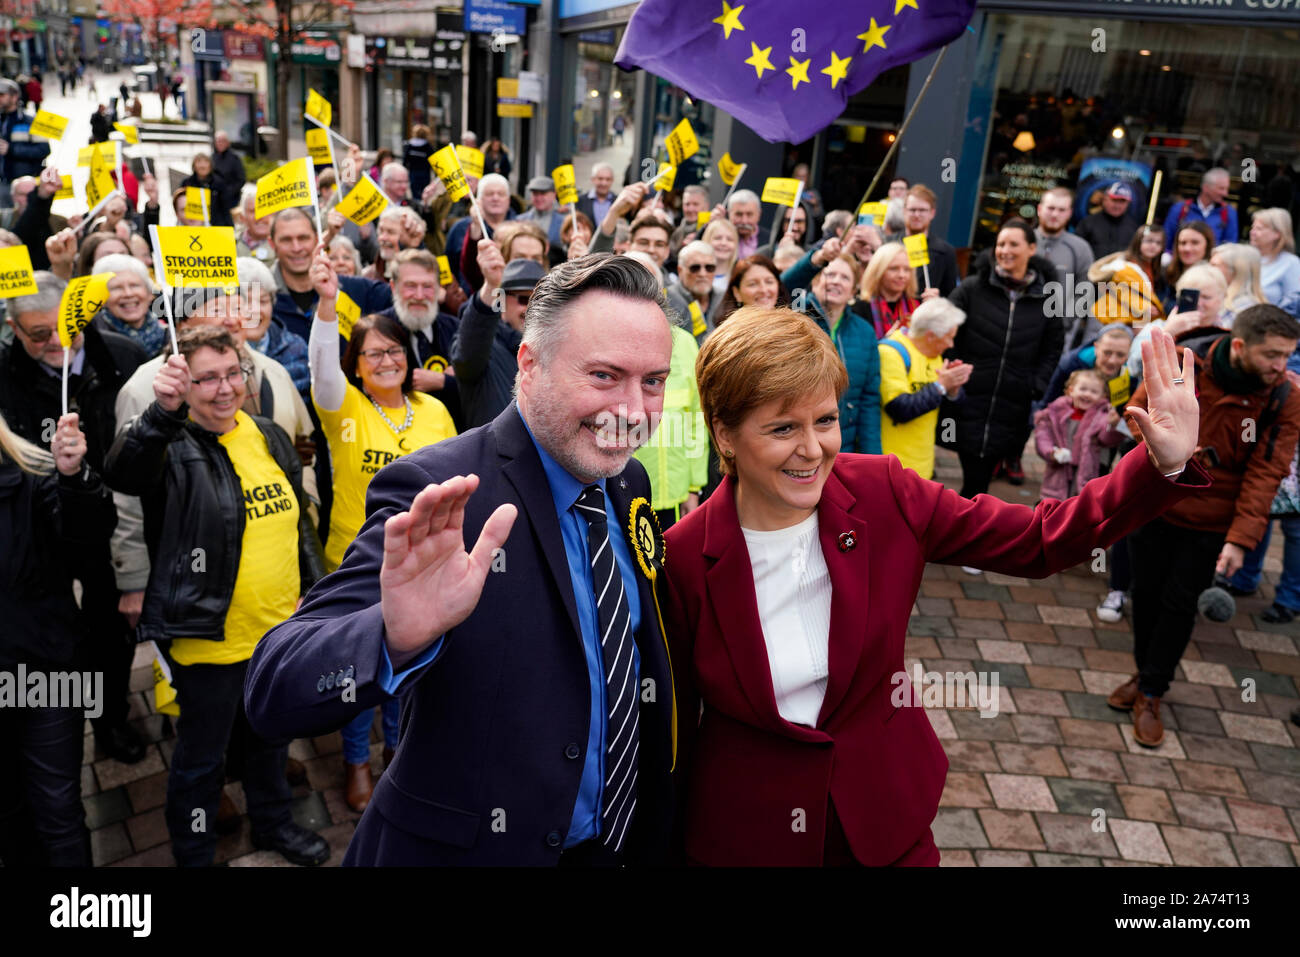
[(553, 839), (351, 672), (572, 751), (329, 680), (320, 685)]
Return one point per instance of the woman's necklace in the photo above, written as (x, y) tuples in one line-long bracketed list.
[(410, 414)]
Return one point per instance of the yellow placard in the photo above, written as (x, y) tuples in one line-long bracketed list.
[(698, 325), (471, 161), (348, 312), (47, 125), (507, 88), (16, 276), (101, 182), (197, 203), (523, 110), (293, 184), (445, 278), (364, 202), (81, 300), (566, 184), (856, 134), (129, 133), (702, 218), (918, 252), (107, 151), (196, 256), (319, 108), (681, 143), (318, 147), (728, 170), (784, 192), (875, 210), (65, 191), (667, 173), (446, 166)]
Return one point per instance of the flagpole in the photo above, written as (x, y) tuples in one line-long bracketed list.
[(98, 206), (473, 202), (903, 129), (160, 275), (1155, 194), (734, 183), (171, 319), (338, 136), (66, 351)]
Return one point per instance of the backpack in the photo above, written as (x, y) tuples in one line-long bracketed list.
[(1186, 206), (902, 351), (1270, 418)]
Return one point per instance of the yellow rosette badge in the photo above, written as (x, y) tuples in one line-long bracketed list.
[(646, 537)]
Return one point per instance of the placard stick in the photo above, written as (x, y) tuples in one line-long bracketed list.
[(1155, 194), (734, 183)]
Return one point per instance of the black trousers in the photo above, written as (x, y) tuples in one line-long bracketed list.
[(42, 822), (108, 645), (211, 699), (1171, 567), (977, 471), (1121, 566)]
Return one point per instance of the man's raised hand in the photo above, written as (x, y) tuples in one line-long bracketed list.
[(428, 583)]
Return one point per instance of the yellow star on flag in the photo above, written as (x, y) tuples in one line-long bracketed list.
[(838, 69), (900, 4), (874, 37), (730, 19), (798, 71), (759, 59)]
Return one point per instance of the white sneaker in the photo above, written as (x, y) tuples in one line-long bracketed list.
[(1112, 606), (972, 571)]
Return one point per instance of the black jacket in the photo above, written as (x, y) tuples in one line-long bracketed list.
[(44, 521), (483, 355), (942, 269), (1105, 234), (31, 400), (230, 168), (192, 499), (219, 212), (1014, 347)]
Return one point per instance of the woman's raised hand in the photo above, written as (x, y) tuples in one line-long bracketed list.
[(1172, 420)]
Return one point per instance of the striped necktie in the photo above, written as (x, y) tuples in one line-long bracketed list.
[(614, 619)]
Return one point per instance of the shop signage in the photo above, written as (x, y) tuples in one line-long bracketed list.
[(241, 47), (319, 50), (1242, 11), (207, 45), (493, 16)]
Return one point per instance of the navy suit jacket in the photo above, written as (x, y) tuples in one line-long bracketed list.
[(494, 729)]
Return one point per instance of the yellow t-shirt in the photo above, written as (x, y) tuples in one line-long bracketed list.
[(267, 584), (361, 443), (913, 441)]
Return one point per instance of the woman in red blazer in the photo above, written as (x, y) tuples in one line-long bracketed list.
[(789, 591)]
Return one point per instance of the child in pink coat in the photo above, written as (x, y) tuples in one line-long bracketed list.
[(1071, 432)]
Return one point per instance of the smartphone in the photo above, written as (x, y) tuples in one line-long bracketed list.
[(1188, 299)]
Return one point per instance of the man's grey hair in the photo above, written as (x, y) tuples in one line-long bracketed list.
[(491, 179), (249, 192), (1218, 172), (121, 262), (392, 212), (895, 221), (602, 166), (618, 275), (391, 168), (696, 189), (49, 291), (743, 196), (695, 248), (936, 316), (1115, 329), (253, 272), (836, 221), (343, 241)]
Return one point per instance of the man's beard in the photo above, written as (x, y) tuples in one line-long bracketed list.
[(411, 320)]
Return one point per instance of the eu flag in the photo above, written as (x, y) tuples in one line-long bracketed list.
[(785, 69)]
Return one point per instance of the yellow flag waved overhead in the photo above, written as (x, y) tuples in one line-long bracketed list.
[(566, 184), (446, 166), (875, 211), (319, 108), (129, 133), (363, 202), (918, 250), (81, 300), (681, 143), (101, 182), (293, 184), (318, 147), (16, 278), (783, 191), (65, 191), (667, 174), (729, 171), (471, 161), (48, 125), (107, 151), (197, 203), (445, 278), (348, 312), (195, 256), (702, 218)]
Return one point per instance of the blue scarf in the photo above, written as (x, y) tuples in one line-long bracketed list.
[(151, 334)]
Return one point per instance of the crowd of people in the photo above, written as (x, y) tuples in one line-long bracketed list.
[(198, 494)]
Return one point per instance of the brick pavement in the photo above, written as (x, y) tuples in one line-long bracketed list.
[(1028, 787)]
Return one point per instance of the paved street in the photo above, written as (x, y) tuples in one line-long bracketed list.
[(1025, 786)]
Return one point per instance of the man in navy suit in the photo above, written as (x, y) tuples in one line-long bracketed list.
[(526, 738)]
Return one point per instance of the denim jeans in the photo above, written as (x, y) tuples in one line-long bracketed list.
[(1288, 586), (211, 699), (356, 733), (42, 822)]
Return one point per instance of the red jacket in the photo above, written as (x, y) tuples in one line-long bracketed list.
[(745, 772)]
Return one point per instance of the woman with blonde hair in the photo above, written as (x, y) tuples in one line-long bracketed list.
[(1212, 292), (1271, 233), (722, 236), (887, 294), (789, 591), (1240, 265)]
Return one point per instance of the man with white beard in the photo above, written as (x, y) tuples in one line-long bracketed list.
[(417, 295), (388, 239)]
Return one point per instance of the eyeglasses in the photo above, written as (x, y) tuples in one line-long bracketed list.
[(211, 382), (523, 298), (38, 336), (377, 355), (707, 267)]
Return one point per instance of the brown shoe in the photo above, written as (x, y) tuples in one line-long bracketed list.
[(1148, 730), (1121, 699), (358, 788), (294, 771)]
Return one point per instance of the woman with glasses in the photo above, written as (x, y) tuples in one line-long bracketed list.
[(231, 551), (371, 414)]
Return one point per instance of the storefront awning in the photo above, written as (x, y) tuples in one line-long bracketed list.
[(399, 17)]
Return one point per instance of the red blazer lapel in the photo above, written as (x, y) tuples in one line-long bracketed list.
[(847, 561)]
